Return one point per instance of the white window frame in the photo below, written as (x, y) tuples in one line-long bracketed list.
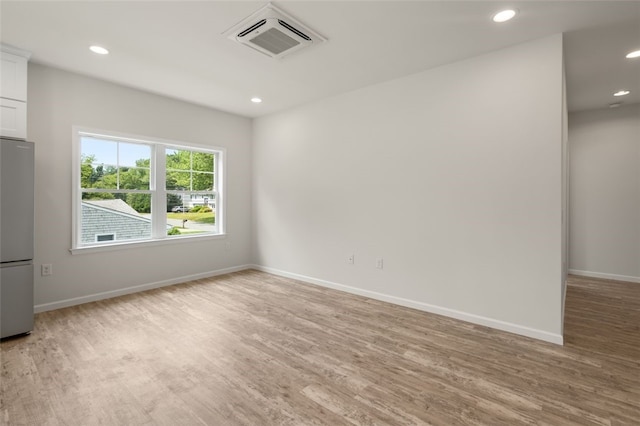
[(157, 188)]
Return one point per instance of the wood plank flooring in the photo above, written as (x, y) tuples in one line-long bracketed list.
[(251, 348)]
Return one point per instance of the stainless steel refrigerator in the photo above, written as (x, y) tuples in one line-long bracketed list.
[(16, 237)]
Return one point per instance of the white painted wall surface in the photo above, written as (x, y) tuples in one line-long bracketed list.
[(452, 175), (605, 193), (58, 100)]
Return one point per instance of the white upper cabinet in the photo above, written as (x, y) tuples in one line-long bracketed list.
[(13, 118), (13, 75), (13, 92)]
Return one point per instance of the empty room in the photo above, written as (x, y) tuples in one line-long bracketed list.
[(320, 213)]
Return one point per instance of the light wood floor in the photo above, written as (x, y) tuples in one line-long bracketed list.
[(254, 349)]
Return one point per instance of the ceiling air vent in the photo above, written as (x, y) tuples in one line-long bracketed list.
[(272, 32)]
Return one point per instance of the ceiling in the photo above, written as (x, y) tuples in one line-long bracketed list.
[(176, 48)]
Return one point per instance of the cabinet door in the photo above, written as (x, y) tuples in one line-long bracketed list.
[(16, 300), (13, 77), (13, 118)]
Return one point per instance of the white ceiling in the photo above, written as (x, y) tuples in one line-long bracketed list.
[(175, 48)]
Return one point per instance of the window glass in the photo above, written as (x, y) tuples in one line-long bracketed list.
[(125, 216), (178, 180), (178, 159), (107, 164), (203, 162), (202, 181), (134, 155), (101, 151), (189, 170), (191, 214), (191, 207)]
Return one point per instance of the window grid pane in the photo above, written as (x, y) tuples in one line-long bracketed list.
[(191, 213), (127, 165), (189, 170)]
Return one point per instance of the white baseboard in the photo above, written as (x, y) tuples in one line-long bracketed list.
[(135, 289), (605, 276), (452, 313)]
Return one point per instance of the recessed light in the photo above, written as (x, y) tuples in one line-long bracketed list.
[(615, 105), (256, 100), (99, 50), (621, 93), (504, 15), (634, 54)]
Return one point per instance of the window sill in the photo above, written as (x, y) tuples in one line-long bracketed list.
[(146, 243)]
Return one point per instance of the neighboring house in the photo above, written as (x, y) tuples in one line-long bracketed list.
[(192, 200), (111, 220)]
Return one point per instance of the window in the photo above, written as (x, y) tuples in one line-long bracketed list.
[(132, 189)]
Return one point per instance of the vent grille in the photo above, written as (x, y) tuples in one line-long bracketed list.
[(253, 27), (290, 28), (272, 32), (275, 41)]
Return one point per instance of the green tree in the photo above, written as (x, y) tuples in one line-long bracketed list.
[(190, 171), (90, 177), (86, 170), (203, 171), (97, 196), (134, 178), (173, 200), (139, 202)]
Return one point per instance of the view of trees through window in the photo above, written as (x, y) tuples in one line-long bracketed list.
[(111, 165), (116, 185), (189, 184)]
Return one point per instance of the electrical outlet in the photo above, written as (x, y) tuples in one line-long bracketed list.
[(379, 263), (351, 259), (46, 269)]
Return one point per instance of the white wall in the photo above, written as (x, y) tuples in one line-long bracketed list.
[(57, 100), (605, 193), (452, 175)]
